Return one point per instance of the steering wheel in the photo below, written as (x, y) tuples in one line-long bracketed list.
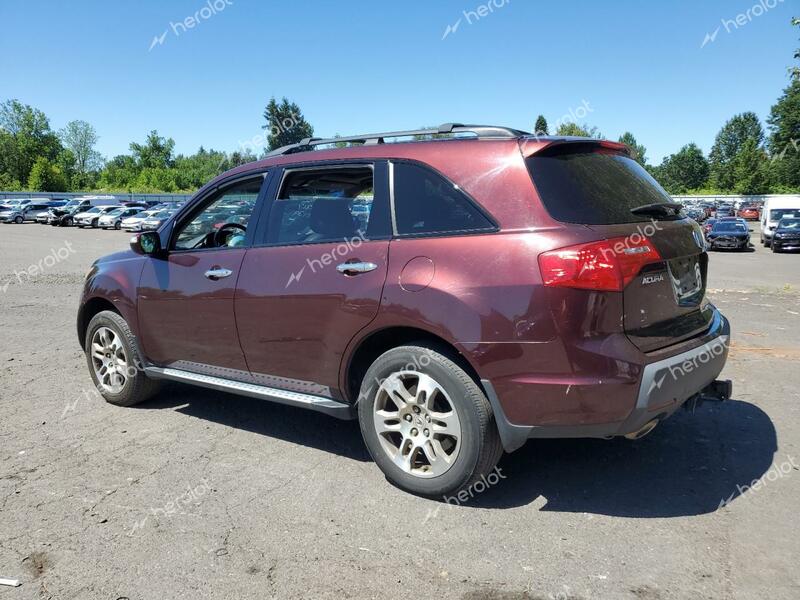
[(221, 239)]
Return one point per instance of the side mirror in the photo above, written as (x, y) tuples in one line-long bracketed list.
[(147, 243)]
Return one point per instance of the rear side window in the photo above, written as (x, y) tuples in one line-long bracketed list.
[(426, 203), (593, 188), (330, 204)]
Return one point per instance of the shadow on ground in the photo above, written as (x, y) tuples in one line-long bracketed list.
[(287, 423), (687, 466)]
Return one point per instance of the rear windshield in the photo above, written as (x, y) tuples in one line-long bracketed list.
[(729, 226), (593, 187)]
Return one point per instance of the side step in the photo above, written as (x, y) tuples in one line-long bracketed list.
[(329, 406)]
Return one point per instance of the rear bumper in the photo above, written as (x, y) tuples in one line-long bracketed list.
[(664, 386)]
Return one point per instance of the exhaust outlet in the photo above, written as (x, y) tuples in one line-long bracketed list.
[(637, 435)]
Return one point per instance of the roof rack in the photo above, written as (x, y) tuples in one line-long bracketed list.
[(480, 131)]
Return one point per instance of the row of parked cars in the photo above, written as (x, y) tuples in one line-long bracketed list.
[(726, 224), (104, 212)]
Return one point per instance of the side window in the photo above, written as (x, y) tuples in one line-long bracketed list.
[(330, 204), (221, 221), (426, 203)]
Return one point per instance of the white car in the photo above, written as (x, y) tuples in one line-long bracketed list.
[(113, 219), (134, 223), (91, 216)]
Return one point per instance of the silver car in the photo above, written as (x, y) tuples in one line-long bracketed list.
[(21, 213)]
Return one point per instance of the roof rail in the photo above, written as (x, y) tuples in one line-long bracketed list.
[(480, 131)]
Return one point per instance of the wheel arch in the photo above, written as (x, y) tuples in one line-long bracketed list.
[(88, 310), (369, 347)]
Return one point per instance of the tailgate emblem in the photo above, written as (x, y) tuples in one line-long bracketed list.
[(648, 279)]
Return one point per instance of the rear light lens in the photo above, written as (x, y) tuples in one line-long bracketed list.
[(607, 265)]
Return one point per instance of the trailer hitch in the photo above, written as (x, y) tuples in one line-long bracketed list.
[(716, 391)]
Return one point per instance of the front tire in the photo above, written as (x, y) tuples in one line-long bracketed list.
[(776, 248), (114, 362), (426, 422), (18, 220)]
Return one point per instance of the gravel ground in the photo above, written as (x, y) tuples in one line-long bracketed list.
[(205, 495)]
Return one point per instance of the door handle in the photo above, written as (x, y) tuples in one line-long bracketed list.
[(356, 267), (218, 273)]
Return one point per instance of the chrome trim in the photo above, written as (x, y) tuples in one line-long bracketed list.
[(356, 267), (322, 404), (215, 274), (391, 198)]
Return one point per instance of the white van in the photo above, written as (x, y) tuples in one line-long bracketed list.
[(774, 210)]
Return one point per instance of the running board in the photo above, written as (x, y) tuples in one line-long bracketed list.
[(329, 406)]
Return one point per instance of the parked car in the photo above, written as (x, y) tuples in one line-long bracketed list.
[(749, 212), (21, 213), (708, 225), (774, 210), (91, 217), (113, 219), (733, 234), (580, 318), (42, 217), (134, 223), (786, 235), (155, 220)]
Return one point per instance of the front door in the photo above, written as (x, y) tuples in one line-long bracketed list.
[(186, 296), (317, 276)]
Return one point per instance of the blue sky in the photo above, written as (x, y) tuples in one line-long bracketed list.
[(356, 67)]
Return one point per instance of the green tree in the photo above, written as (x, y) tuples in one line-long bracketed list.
[(573, 129), (784, 140), (683, 171), (155, 153), (729, 142), (46, 177), (285, 124), (751, 169), (80, 138), (795, 71), (541, 128), (638, 151), (26, 137)]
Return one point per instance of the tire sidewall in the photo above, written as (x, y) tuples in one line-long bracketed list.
[(104, 319), (443, 370)]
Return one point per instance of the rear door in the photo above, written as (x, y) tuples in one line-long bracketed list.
[(316, 275), (612, 195)]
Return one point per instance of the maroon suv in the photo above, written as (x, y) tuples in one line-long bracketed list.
[(458, 293)]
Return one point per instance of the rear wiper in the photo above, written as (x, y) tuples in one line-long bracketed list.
[(658, 208)]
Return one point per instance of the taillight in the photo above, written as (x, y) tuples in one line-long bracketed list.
[(608, 265)]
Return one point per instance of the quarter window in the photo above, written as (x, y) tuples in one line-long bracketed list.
[(323, 205), (426, 203)]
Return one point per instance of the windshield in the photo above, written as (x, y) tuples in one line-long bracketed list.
[(93, 210), (116, 211), (779, 213), (789, 224), (730, 227), (580, 184)]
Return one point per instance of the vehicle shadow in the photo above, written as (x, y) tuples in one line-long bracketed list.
[(295, 425), (689, 465)]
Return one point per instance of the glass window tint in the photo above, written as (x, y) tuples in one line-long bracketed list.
[(593, 187), (426, 203), (322, 205)]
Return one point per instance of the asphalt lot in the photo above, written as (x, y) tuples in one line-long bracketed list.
[(204, 495)]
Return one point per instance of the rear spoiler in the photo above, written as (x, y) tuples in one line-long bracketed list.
[(538, 145)]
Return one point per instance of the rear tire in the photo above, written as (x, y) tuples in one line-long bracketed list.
[(426, 423), (114, 362)]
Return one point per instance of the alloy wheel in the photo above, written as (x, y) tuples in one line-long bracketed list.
[(417, 424), (109, 360)]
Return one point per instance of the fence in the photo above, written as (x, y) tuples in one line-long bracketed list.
[(118, 197), (736, 198)]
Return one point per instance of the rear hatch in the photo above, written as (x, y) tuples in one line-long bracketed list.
[(598, 186)]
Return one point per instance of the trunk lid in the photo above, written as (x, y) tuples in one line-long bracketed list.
[(599, 186)]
